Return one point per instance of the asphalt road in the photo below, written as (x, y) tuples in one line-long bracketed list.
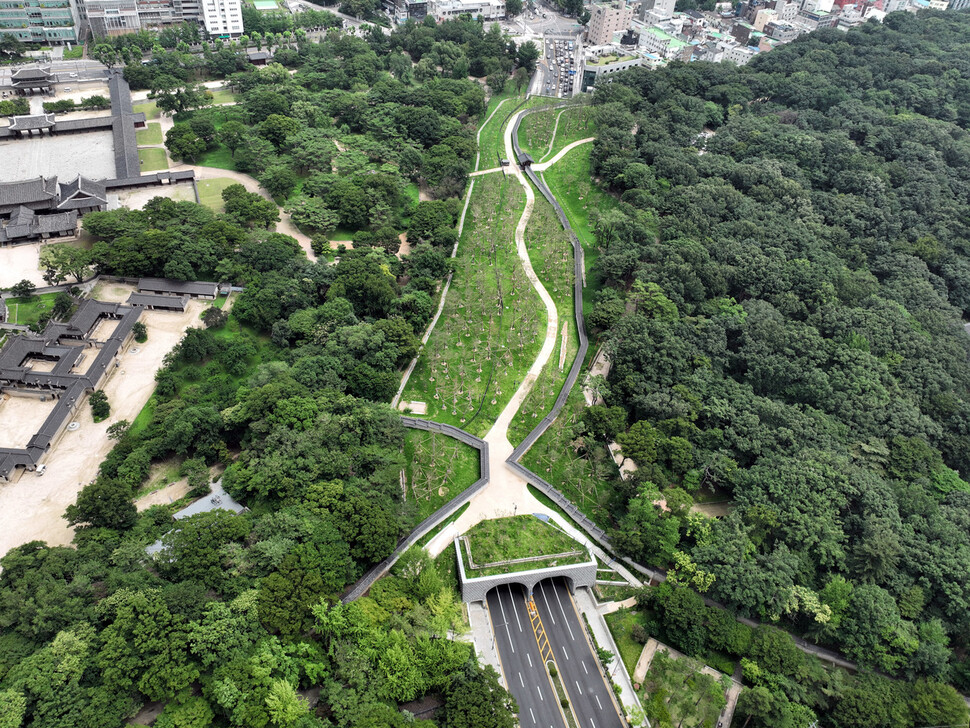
[(525, 673), (580, 668)]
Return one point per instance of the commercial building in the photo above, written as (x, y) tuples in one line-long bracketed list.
[(599, 68), (443, 10), (607, 20), (222, 18), (662, 43), (51, 22)]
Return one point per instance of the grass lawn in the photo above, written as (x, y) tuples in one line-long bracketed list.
[(74, 53), (151, 135), (551, 255), (210, 192), (426, 539), (223, 96), (586, 480), (152, 159), (536, 130), (621, 623), (492, 324), (220, 157), (438, 469), (149, 109), (28, 310), (518, 537)]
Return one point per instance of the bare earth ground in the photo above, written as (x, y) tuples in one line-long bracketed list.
[(21, 417), (90, 154), (135, 199), (32, 508)]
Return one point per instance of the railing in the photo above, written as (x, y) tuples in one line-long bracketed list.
[(442, 514)]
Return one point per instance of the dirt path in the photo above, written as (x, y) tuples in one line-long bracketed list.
[(284, 226), (562, 153), (32, 508)]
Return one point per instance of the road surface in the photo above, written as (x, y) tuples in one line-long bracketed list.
[(525, 673), (579, 666)]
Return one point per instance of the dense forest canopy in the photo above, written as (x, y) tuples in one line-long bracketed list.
[(792, 336)]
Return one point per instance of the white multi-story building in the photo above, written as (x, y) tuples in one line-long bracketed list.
[(222, 18), (486, 9), (607, 20), (654, 11)]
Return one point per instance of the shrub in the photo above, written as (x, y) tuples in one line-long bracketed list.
[(100, 409)]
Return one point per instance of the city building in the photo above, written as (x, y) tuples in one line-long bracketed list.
[(598, 67), (654, 11), (442, 10), (959, 4), (51, 22), (26, 226), (662, 43), (607, 20), (222, 18)]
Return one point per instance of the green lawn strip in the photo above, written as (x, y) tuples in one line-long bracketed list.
[(570, 181), (210, 192), (575, 123), (552, 259), (150, 135), (223, 96), (518, 537), (149, 109), (621, 623), (535, 132), (438, 469), (152, 159), (144, 417), (219, 157), (27, 311), (582, 470), (75, 53), (480, 350)]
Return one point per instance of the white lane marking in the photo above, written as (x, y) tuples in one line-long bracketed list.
[(571, 636), (578, 687), (533, 715), (565, 653), (530, 658), (598, 703), (502, 607), (521, 681), (592, 723), (584, 667), (514, 608), (546, 600), (539, 690)]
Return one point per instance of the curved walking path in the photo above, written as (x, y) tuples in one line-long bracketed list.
[(543, 166), (284, 226), (552, 139)]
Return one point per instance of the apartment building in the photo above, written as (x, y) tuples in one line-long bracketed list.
[(51, 22), (222, 18), (607, 20)]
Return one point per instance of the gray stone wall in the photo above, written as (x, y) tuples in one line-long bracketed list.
[(474, 589)]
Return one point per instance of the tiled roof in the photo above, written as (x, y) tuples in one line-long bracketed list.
[(168, 285), (28, 191), (36, 121)]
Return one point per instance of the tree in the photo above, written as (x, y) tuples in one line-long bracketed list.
[(24, 289), (61, 261), (214, 318), (232, 135), (11, 45), (475, 699), (140, 332), (279, 180), (183, 143), (312, 214), (117, 430), (100, 409), (103, 504), (204, 128), (496, 81), (105, 53), (527, 56), (604, 423), (249, 208), (513, 7), (275, 128), (520, 78)]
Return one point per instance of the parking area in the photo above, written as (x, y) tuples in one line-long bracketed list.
[(560, 67)]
